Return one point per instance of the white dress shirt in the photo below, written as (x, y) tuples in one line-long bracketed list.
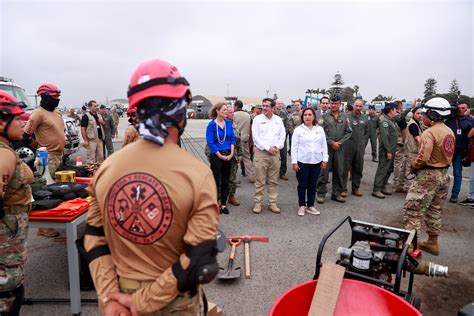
[(308, 145), (268, 132)]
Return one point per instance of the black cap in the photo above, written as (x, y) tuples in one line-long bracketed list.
[(371, 107), (389, 106), (102, 106), (335, 98)]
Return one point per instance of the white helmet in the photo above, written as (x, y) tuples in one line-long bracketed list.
[(438, 105)]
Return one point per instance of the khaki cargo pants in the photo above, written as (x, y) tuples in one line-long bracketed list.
[(95, 151), (267, 166), (182, 305)]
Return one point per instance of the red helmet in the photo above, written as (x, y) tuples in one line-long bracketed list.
[(156, 78), (48, 88), (9, 105), (131, 111)]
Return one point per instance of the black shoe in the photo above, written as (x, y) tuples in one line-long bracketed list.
[(467, 201), (453, 199), (224, 210)]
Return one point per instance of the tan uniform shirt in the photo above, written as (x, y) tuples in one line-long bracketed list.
[(152, 201), (242, 121), (437, 147), (48, 128), (7, 170), (131, 135)]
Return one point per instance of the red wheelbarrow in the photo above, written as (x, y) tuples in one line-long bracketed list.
[(355, 298)]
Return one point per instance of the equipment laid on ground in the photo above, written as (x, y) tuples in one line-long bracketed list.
[(247, 239), (372, 265), (379, 255), (230, 272)]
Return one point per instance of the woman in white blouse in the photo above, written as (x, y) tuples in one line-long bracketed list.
[(309, 154)]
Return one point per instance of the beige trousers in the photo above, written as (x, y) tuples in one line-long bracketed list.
[(95, 151), (267, 166)]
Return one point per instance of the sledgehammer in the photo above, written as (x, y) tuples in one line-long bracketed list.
[(247, 239)]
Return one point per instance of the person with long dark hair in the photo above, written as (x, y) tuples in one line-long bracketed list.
[(220, 139), (309, 154)]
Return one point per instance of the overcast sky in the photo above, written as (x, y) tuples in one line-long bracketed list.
[(89, 49)]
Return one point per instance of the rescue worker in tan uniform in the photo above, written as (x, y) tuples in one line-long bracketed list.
[(131, 133), (15, 203), (47, 126), (151, 228), (429, 190)]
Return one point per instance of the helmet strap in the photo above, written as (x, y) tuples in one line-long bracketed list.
[(4, 133)]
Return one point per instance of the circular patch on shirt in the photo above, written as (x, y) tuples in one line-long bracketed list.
[(449, 143), (385, 124), (139, 208)]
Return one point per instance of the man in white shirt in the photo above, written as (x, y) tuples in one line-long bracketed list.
[(243, 121), (268, 133)]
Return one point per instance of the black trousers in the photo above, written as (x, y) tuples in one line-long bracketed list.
[(18, 293), (221, 171)]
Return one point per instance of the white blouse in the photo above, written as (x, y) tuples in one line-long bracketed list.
[(308, 145)]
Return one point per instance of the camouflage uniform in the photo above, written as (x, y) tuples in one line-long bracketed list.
[(411, 152), (13, 233), (283, 152), (293, 122), (398, 163), (430, 187), (235, 162)]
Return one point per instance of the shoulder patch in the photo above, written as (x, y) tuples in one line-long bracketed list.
[(139, 208), (385, 124), (448, 145)]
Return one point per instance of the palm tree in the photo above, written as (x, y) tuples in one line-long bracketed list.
[(323, 91), (317, 91), (310, 92), (356, 90)]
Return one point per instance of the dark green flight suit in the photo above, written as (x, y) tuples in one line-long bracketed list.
[(373, 125), (337, 130), (354, 150), (388, 144)]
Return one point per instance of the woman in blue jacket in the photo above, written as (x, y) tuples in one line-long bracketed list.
[(220, 139)]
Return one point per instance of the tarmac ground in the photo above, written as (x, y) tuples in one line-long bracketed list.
[(289, 257)]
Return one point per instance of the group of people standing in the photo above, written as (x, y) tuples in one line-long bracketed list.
[(414, 143)]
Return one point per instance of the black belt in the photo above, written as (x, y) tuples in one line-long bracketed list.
[(224, 152), (433, 168)]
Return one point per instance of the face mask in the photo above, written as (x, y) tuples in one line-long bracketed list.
[(49, 103)]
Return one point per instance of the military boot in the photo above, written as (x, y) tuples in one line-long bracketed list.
[(257, 209), (344, 194), (320, 199), (378, 195), (234, 200), (274, 209), (430, 246)]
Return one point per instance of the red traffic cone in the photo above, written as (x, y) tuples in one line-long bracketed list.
[(78, 161)]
